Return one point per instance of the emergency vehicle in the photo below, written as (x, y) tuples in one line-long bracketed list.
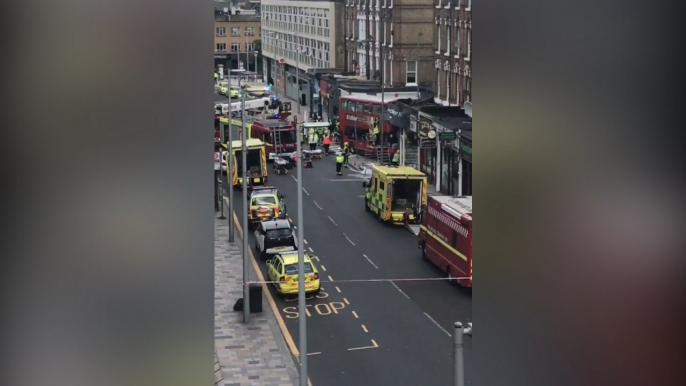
[(277, 135), (445, 237), (255, 159), (396, 194)]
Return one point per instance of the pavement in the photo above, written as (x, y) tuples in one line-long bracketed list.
[(384, 316), (245, 354)]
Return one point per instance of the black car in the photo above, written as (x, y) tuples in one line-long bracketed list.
[(275, 236)]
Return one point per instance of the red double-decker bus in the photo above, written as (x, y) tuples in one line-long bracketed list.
[(445, 236), (356, 117)]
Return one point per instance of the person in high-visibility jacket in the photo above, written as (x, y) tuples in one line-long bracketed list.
[(339, 162), (313, 140), (377, 137), (396, 158), (346, 153), (326, 142), (216, 78)]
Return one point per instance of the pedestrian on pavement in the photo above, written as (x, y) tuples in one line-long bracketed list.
[(326, 142), (313, 140), (340, 158)]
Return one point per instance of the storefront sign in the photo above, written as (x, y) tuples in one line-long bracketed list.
[(398, 116), (466, 150), (447, 135), (220, 56)]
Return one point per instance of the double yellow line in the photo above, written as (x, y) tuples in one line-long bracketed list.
[(279, 320)]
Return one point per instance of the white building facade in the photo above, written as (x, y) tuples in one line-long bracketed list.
[(299, 36)]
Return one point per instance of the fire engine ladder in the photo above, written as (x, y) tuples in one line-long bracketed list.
[(276, 136)]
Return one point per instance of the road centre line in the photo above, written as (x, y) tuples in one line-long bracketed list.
[(317, 205), (330, 219), (306, 191), (338, 289), (348, 238), (370, 261), (436, 323), (346, 301), (355, 315), (401, 291), (304, 241), (293, 177), (330, 278), (323, 268), (374, 345), (310, 248), (365, 328)]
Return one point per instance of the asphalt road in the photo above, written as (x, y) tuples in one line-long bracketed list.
[(376, 332)]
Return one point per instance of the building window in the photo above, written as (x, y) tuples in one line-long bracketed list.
[(250, 47), (469, 5), (235, 31), (411, 73), (235, 47), (221, 46), (469, 44), (221, 31), (249, 31)]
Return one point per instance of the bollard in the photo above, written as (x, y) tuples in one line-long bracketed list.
[(458, 335)]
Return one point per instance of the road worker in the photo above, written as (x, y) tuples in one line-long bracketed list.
[(326, 142), (313, 140)]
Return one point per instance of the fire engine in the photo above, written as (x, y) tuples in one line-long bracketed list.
[(445, 237)]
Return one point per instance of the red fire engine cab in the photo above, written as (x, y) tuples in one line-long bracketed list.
[(445, 236)]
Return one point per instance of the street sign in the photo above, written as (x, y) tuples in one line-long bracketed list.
[(447, 136)]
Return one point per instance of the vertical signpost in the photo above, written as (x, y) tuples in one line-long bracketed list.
[(302, 318)]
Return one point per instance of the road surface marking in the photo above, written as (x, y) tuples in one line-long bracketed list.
[(355, 315), (313, 353), (436, 323), (401, 291), (338, 289), (293, 177), (330, 278), (323, 268), (346, 301), (305, 191), (317, 205), (279, 320), (348, 238), (374, 345), (304, 241), (370, 261), (330, 219), (362, 196), (365, 328), (310, 248), (349, 180)]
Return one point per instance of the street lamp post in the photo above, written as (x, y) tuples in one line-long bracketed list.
[(302, 318), (244, 167), (297, 65)]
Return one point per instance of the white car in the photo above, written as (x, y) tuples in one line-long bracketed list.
[(274, 237)]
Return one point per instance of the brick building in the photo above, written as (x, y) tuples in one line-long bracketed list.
[(393, 36), (236, 32), (452, 67)]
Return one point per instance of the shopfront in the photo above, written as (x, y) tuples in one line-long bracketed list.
[(302, 93), (465, 159)]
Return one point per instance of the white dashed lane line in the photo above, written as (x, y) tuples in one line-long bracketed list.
[(348, 238), (370, 261), (317, 205), (330, 219)]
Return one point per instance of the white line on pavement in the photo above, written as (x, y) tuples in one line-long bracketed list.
[(370, 261), (305, 191), (399, 290), (317, 205), (330, 219), (349, 180), (293, 177), (436, 323), (310, 248), (348, 238)]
